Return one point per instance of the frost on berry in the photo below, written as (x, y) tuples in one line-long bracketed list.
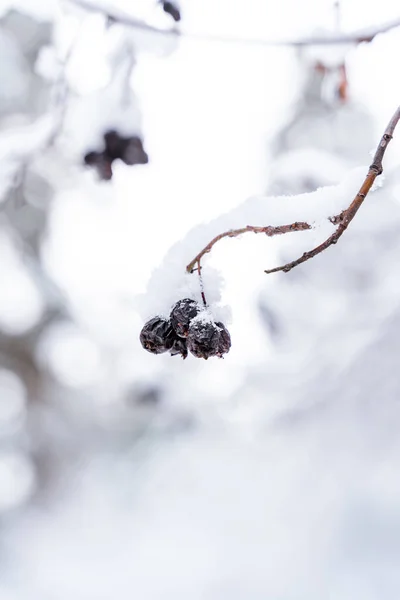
[(181, 315), (207, 338), (157, 335)]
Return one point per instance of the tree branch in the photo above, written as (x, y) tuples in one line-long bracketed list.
[(268, 230), (356, 37), (344, 219)]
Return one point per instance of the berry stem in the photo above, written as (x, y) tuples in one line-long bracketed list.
[(203, 296)]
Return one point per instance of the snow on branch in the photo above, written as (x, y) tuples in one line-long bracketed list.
[(324, 215), (344, 219), (337, 38), (307, 214), (341, 220)]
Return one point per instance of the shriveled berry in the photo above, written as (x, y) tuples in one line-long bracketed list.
[(101, 162), (115, 144), (179, 347), (91, 158), (207, 338), (129, 149), (171, 9), (133, 152), (157, 335), (181, 315)]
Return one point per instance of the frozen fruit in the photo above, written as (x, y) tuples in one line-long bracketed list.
[(157, 335), (181, 315), (207, 338)]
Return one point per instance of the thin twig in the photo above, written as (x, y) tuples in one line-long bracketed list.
[(344, 219), (203, 296), (356, 37), (270, 231)]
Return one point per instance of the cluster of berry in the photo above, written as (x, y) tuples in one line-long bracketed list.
[(183, 332), (129, 149)]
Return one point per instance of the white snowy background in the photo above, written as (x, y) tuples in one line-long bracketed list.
[(272, 474)]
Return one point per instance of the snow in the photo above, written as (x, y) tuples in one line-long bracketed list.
[(19, 144), (43, 10), (89, 117), (306, 167), (17, 479), (270, 474), (328, 56), (72, 357), (21, 302), (13, 394), (170, 281)]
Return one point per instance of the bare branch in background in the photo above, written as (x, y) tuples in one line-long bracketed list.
[(366, 34)]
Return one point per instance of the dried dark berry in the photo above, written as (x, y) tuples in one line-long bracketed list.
[(207, 338), (179, 347), (91, 158), (101, 162), (157, 335), (129, 149), (182, 313), (115, 144), (171, 9), (133, 152), (224, 339)]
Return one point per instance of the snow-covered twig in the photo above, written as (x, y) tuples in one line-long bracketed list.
[(346, 216), (269, 231), (342, 220), (117, 16), (355, 37)]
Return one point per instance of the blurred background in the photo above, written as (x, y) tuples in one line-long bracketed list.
[(269, 475)]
